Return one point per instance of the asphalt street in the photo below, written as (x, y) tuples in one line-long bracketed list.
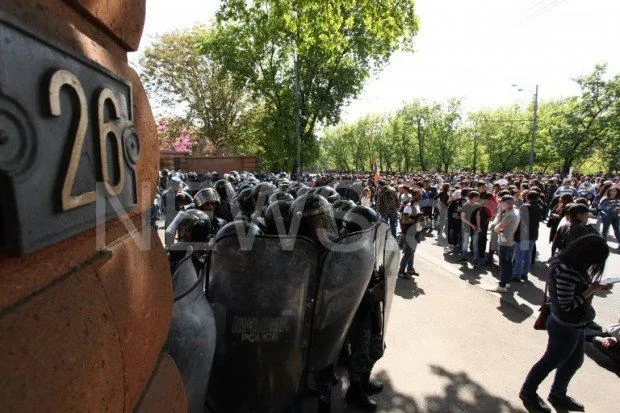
[(454, 347)]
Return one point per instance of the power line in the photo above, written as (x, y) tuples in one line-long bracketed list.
[(532, 7), (542, 11)]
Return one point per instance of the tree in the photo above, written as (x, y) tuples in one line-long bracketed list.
[(175, 134), (305, 58), (583, 122), (447, 134), (505, 134), (176, 75)]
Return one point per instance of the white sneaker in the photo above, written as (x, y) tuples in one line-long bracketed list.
[(498, 289)]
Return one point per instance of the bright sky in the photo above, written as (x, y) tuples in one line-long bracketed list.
[(470, 49)]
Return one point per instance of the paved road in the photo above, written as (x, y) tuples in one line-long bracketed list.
[(528, 295), (454, 347)]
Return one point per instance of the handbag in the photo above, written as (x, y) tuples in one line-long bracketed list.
[(545, 310)]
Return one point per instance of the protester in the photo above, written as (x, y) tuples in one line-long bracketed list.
[(505, 231), (609, 207), (411, 228), (574, 278), (388, 205)]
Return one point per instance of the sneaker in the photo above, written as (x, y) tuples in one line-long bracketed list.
[(498, 289), (565, 402), (463, 258), (412, 272), (524, 278), (516, 279), (404, 276), (534, 403)]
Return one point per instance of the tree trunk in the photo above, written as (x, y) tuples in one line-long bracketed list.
[(566, 166), (421, 146)]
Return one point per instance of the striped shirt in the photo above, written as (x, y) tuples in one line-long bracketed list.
[(566, 282), (570, 190), (568, 304)]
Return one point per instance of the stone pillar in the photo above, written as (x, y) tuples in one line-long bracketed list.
[(85, 300)]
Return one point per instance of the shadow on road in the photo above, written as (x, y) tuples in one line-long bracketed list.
[(540, 270), (602, 359), (512, 310), (529, 292), (390, 400), (460, 394), (408, 289)]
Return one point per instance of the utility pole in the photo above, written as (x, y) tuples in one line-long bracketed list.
[(534, 130)]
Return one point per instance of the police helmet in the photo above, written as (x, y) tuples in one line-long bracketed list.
[(246, 202), (238, 227), (315, 215), (328, 193), (278, 210), (224, 189), (206, 196), (191, 225), (341, 207), (359, 218), (280, 196)]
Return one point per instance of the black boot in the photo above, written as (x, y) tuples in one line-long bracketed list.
[(324, 406), (357, 397), (371, 387)]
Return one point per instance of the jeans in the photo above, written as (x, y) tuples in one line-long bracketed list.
[(523, 258), (614, 224), (505, 264), (392, 219), (494, 239), (411, 244), (465, 239), (565, 350), (443, 217)]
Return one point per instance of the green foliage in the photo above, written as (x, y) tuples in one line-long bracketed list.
[(330, 47), (505, 134), (580, 131), (588, 121), (174, 74)]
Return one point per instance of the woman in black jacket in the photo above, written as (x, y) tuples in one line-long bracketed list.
[(573, 280)]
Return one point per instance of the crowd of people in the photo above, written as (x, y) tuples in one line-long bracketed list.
[(479, 215)]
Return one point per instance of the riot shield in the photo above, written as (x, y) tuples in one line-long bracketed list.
[(191, 337), (259, 298), (346, 271), (390, 263), (347, 192)]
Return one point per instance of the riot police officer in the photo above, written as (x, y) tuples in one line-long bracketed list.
[(192, 229), (174, 199), (365, 334), (315, 217)]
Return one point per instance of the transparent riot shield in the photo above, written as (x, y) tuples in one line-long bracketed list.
[(191, 337), (260, 301), (345, 273), (389, 269)]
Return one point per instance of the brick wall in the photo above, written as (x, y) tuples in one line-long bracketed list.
[(185, 162)]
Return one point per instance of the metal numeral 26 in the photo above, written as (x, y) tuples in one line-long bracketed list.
[(63, 78)]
